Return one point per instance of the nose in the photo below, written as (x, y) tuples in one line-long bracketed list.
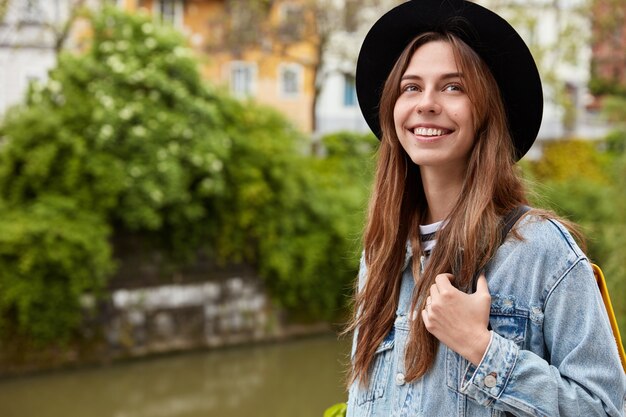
[(428, 103)]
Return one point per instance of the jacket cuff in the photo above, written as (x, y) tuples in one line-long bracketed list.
[(486, 382)]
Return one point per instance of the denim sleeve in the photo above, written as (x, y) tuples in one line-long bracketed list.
[(582, 376)]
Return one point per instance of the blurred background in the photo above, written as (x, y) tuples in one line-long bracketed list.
[(183, 186)]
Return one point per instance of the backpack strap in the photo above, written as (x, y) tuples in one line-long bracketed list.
[(512, 218), (604, 292), (509, 221)]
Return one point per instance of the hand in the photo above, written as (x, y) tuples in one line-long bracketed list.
[(457, 319)]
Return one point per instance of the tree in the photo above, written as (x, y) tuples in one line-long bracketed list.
[(608, 72), (556, 32), (332, 28), (127, 138), (56, 25)]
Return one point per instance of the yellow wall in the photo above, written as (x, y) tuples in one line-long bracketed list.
[(203, 23)]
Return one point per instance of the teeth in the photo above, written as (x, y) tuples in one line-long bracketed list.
[(423, 131)]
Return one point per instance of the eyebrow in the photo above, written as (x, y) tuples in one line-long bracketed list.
[(443, 77)]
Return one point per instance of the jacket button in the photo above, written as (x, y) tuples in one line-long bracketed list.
[(400, 379), (490, 380)]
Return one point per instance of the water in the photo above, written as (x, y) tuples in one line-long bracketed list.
[(294, 379)]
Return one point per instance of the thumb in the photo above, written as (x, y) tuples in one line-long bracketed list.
[(481, 285)]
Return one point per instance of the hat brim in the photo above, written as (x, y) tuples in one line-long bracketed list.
[(492, 37)]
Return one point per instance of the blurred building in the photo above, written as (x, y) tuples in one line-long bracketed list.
[(608, 45), (27, 44), (263, 50), (299, 56), (337, 107), (558, 33), (32, 32)]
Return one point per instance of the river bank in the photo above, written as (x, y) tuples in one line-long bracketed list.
[(232, 308), (298, 377)]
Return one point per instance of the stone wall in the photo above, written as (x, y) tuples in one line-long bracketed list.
[(182, 316)]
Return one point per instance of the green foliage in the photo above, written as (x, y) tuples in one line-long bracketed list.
[(131, 136), (614, 107), (571, 160), (295, 216), (127, 129), (587, 186), (337, 410), (599, 87), (134, 141), (51, 253)]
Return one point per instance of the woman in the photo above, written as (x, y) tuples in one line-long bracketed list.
[(454, 95)]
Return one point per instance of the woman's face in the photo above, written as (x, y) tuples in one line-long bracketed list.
[(433, 114)]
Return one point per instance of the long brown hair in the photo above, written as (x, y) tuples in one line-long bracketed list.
[(492, 187)]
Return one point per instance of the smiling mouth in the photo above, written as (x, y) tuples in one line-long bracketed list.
[(430, 132)]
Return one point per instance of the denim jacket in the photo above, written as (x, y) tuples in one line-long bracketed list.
[(552, 351)]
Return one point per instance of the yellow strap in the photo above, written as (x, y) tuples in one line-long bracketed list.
[(604, 291)]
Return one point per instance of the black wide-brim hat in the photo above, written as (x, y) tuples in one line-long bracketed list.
[(492, 37)]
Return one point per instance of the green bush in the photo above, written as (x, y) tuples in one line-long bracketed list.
[(137, 143), (297, 218), (51, 254)]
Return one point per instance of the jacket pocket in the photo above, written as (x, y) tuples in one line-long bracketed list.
[(381, 369), (508, 320), (505, 319)]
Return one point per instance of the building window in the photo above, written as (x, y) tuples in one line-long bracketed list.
[(242, 78), (31, 12), (349, 91), (170, 11), (290, 80)]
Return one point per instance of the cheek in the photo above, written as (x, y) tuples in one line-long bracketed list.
[(397, 114), (464, 116)]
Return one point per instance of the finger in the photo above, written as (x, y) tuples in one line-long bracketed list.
[(481, 284), (426, 319), (444, 281), (428, 301), (434, 291)]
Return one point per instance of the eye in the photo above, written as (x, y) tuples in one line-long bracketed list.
[(409, 88), (454, 87)]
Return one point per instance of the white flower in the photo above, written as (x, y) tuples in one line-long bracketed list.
[(59, 99), (138, 76), (139, 131), (106, 131), (54, 86), (155, 95), (150, 43), (174, 148), (180, 52), (126, 113), (196, 160), (106, 101), (147, 28), (207, 184), (217, 165), (122, 45), (135, 171), (106, 47), (156, 196), (116, 64)]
